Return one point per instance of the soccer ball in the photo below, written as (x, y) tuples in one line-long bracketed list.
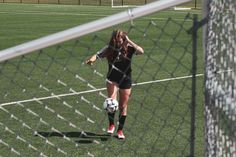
[(110, 105)]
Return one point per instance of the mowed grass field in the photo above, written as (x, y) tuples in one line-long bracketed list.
[(192, 4), (62, 123)]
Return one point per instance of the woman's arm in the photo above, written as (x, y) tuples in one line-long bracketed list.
[(139, 50), (100, 54)]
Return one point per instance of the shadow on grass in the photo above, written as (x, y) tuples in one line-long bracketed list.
[(84, 137)]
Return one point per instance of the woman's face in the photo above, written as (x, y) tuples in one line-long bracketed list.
[(120, 42), (120, 38)]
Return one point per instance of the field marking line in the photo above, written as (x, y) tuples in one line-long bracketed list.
[(76, 14), (83, 14), (52, 13), (164, 80), (94, 90), (79, 14)]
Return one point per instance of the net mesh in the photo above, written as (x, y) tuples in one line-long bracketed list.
[(220, 79), (51, 102)]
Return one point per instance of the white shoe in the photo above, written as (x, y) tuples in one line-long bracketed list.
[(111, 129), (120, 134)]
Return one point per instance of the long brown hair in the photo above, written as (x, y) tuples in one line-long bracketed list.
[(114, 48)]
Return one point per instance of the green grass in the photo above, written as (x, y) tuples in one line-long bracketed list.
[(99, 2), (158, 121)]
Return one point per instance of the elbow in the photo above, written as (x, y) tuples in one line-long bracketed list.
[(142, 51)]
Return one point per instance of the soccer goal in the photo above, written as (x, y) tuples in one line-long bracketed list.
[(124, 4), (220, 84), (51, 102)]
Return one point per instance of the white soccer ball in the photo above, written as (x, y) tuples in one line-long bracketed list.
[(111, 105)]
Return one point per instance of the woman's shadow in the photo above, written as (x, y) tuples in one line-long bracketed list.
[(84, 137)]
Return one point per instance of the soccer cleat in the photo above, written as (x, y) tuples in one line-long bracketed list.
[(120, 134), (111, 129)]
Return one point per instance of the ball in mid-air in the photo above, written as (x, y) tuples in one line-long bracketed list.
[(111, 105)]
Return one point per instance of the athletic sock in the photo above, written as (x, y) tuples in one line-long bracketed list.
[(121, 122), (111, 117)]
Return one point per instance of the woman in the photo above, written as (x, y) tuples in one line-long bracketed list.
[(119, 54)]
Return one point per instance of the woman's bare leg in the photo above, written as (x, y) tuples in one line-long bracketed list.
[(124, 95), (112, 89)]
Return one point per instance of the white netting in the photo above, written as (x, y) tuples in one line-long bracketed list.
[(220, 78)]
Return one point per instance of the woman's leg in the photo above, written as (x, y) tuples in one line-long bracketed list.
[(124, 95), (112, 89)]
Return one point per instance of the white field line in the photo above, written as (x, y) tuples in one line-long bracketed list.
[(77, 14), (164, 80), (51, 13), (179, 8), (93, 90)]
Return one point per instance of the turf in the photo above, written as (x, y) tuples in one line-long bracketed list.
[(159, 116)]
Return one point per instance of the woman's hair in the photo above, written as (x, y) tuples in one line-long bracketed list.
[(115, 37), (114, 48)]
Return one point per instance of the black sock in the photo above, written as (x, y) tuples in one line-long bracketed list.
[(111, 117), (121, 122)]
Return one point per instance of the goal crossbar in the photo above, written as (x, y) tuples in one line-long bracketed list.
[(87, 28)]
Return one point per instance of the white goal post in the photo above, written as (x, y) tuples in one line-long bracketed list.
[(87, 28)]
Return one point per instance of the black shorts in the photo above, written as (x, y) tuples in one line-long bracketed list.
[(124, 81)]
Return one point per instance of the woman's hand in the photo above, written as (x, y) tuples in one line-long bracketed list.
[(139, 50), (91, 60)]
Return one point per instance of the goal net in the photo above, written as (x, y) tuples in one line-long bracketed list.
[(51, 102), (220, 85), (195, 4), (126, 3)]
